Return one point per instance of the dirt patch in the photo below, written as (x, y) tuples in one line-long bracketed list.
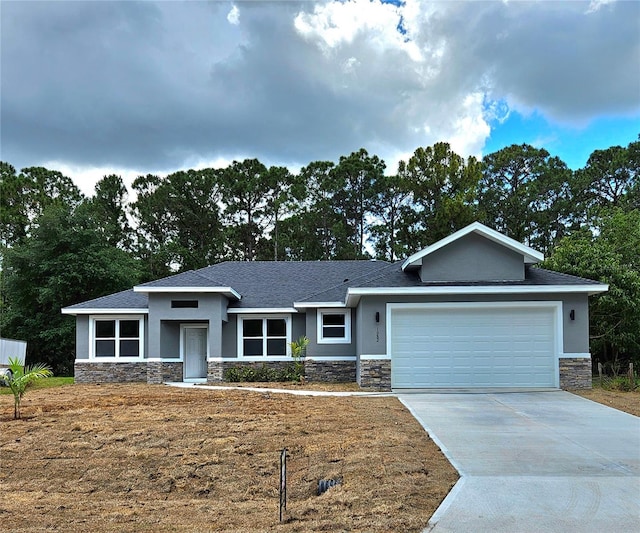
[(627, 401), (155, 458)]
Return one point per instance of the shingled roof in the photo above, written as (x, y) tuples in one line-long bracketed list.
[(272, 284), (278, 284), (120, 300)]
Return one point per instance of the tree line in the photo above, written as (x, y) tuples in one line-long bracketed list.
[(60, 247)]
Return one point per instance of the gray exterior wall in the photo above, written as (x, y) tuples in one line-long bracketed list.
[(372, 337), (327, 350), (169, 339), (576, 332), (82, 337), (210, 310), (230, 337), (473, 258), (298, 326)]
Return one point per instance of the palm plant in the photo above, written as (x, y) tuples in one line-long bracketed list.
[(298, 353), (21, 377)]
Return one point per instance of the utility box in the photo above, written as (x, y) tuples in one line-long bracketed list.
[(10, 348)]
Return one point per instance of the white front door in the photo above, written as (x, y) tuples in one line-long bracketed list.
[(195, 352)]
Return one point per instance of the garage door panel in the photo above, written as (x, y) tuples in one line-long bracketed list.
[(473, 347)]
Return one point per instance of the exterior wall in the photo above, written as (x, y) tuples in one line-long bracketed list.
[(298, 326), (473, 258), (576, 332), (329, 350), (82, 337), (229, 334), (375, 374), (317, 371), (215, 369), (169, 339), (330, 371), (372, 335), (161, 371), (209, 310), (110, 372), (575, 373)]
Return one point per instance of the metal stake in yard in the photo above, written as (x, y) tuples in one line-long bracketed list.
[(283, 481)]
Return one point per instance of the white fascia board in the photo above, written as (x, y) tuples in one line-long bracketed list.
[(531, 256), (315, 305), (354, 294), (260, 310), (227, 291), (103, 311)]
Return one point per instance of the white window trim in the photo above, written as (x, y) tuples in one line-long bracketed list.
[(347, 326), (117, 358), (240, 337)]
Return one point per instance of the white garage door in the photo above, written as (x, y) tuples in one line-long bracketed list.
[(453, 345)]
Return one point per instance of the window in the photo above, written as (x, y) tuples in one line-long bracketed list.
[(184, 304), (117, 337), (264, 336), (334, 327)]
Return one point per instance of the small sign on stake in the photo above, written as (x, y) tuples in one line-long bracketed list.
[(283, 481)]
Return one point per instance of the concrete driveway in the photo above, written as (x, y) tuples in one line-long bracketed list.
[(534, 462)]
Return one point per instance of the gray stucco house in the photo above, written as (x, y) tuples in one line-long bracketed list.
[(470, 311)]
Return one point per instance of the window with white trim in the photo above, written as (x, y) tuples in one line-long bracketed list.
[(117, 337), (264, 336), (334, 327)]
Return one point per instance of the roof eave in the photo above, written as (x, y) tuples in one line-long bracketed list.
[(104, 310), (317, 305), (354, 294), (229, 292)]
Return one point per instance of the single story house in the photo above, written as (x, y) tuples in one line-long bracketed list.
[(470, 311)]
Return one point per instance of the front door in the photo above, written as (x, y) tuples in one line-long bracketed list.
[(195, 352)]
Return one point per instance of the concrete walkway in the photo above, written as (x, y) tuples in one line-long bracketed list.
[(295, 392), (534, 462)]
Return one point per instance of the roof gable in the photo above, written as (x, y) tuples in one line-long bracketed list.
[(530, 256)]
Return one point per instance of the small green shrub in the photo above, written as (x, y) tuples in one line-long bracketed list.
[(252, 374), (621, 383), (617, 383)]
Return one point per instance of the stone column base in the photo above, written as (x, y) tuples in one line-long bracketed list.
[(375, 374), (575, 373)]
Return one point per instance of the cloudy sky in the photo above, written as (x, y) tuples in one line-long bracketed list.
[(91, 88)]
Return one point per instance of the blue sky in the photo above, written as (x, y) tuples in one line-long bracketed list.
[(573, 145), (92, 88)]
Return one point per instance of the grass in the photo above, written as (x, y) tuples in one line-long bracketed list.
[(154, 458), (44, 384)]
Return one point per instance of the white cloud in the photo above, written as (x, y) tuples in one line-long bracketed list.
[(334, 24), (86, 177), (234, 16), (470, 129), (595, 5), (99, 87)]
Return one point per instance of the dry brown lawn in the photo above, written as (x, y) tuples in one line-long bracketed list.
[(102, 458), (627, 401)]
